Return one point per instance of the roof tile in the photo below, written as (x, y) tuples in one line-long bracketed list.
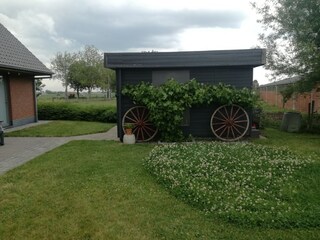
[(14, 55)]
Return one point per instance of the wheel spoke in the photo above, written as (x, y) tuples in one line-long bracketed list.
[(243, 127), (236, 130), (225, 118), (143, 117), (223, 131), (142, 130), (219, 118), (227, 114), (132, 113), (237, 112), (228, 132), (242, 115), (240, 121), (232, 132), (223, 126), (133, 121), (147, 132)]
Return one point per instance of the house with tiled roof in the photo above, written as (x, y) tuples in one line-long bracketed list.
[(18, 70)]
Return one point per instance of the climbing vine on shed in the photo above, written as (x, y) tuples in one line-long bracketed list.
[(168, 102)]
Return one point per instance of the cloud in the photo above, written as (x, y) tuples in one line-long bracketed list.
[(69, 25), (47, 27), (119, 29)]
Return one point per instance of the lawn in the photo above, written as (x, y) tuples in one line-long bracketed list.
[(305, 143), (62, 129), (101, 190)]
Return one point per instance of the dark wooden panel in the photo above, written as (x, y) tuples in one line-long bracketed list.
[(238, 77), (235, 76), (135, 76), (200, 121)]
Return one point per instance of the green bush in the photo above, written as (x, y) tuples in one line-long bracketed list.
[(311, 125), (69, 111)]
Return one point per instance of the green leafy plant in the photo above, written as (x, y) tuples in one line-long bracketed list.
[(168, 102), (128, 126)]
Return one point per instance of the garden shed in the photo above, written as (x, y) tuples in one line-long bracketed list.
[(232, 67), (18, 70)]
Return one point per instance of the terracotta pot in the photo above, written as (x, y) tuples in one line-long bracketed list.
[(128, 131)]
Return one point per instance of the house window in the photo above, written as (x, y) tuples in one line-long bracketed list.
[(159, 77)]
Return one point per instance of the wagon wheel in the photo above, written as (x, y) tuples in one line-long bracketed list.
[(229, 122), (144, 130)]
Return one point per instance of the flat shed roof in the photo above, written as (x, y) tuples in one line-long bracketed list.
[(244, 57)]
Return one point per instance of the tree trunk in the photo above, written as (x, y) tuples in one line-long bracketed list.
[(66, 93), (89, 92)]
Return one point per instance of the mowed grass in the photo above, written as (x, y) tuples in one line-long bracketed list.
[(303, 143), (62, 129), (100, 190)]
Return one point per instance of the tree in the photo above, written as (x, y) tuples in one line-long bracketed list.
[(88, 72), (83, 70), (292, 38), (91, 60), (60, 64), (76, 76), (108, 81)]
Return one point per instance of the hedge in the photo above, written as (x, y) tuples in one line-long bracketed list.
[(69, 111)]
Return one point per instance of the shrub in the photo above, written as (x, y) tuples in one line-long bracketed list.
[(271, 119), (312, 124), (69, 111)]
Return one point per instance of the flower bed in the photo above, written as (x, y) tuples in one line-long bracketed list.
[(240, 182)]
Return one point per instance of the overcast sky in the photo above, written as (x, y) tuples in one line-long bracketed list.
[(46, 27)]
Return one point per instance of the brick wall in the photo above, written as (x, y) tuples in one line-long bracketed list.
[(21, 91), (298, 103)]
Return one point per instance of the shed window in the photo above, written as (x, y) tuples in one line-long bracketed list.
[(159, 77)]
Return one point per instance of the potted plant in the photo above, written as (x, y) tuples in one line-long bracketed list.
[(129, 137), (128, 128)]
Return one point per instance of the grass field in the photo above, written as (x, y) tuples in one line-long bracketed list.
[(100, 190), (85, 102), (96, 97)]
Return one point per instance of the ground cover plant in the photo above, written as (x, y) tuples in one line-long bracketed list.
[(243, 183), (62, 129)]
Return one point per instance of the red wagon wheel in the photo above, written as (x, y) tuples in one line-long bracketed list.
[(144, 130), (229, 122)]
